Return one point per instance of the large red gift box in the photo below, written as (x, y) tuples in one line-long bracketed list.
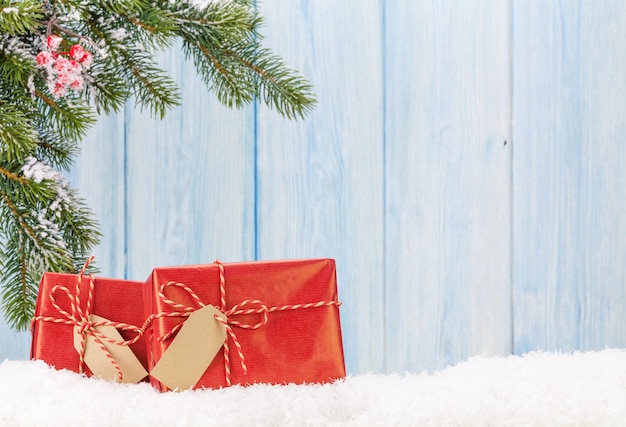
[(57, 318), (282, 319)]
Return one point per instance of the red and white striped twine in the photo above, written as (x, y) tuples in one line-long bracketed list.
[(247, 307)]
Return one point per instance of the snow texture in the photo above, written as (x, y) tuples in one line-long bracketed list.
[(45, 227), (202, 4), (38, 171), (538, 389)]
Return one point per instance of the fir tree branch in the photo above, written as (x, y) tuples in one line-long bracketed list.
[(123, 6), (232, 63), (53, 23), (35, 244), (229, 89), (71, 122), (108, 91), (18, 300), (59, 152), (154, 28), (16, 65), (17, 136), (290, 94), (151, 87), (13, 176), (19, 17), (220, 23), (19, 217)]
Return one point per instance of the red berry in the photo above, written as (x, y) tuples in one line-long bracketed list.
[(54, 41), (86, 59), (77, 51), (43, 58)]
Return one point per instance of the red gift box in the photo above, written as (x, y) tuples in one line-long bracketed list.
[(282, 321), (64, 303)]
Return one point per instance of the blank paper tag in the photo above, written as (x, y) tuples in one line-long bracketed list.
[(192, 350), (97, 360)]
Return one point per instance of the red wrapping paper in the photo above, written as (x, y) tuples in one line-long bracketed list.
[(295, 346), (115, 300)]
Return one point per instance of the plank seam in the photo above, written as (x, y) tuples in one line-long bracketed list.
[(384, 183)]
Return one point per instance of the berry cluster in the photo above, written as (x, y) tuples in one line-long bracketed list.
[(65, 69)]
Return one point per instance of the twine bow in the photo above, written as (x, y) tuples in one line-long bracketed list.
[(246, 307), (79, 318)]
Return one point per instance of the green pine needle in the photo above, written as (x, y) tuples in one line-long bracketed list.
[(18, 138), (20, 17)]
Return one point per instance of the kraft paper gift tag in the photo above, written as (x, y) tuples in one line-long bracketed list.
[(97, 360), (192, 350)]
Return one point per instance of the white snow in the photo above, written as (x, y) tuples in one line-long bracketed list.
[(202, 4), (38, 171), (118, 34), (538, 389), (45, 227)]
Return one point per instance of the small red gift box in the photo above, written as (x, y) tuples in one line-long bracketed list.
[(279, 324), (81, 320)]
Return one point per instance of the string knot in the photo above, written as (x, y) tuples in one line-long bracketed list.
[(83, 325)]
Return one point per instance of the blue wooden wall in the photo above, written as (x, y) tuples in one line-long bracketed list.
[(464, 167)]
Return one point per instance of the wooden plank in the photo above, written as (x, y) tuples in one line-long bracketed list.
[(319, 187), (190, 180), (98, 175), (13, 345), (569, 187), (447, 205)]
